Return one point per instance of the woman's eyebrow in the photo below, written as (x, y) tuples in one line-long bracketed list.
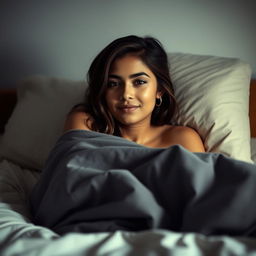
[(131, 76), (139, 74), (114, 76)]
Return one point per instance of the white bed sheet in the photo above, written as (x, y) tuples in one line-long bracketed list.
[(18, 236)]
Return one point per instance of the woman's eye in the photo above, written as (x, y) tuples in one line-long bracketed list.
[(140, 82), (113, 83)]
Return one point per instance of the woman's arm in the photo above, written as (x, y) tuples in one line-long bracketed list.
[(188, 138), (191, 140), (77, 119)]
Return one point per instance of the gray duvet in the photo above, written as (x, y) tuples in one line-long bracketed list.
[(94, 182)]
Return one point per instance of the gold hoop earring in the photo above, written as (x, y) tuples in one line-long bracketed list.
[(158, 104)]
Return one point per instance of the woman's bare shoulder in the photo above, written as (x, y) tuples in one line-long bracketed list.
[(186, 137), (178, 129), (77, 118)]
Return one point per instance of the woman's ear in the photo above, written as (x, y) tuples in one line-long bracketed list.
[(159, 93)]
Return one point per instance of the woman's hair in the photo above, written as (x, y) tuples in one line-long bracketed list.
[(151, 52)]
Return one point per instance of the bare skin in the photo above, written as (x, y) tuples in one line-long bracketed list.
[(131, 97), (159, 137)]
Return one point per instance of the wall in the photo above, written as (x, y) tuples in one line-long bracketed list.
[(60, 38)]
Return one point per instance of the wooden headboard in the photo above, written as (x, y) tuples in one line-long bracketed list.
[(8, 100)]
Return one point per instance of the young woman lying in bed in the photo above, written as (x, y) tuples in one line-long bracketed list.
[(130, 95)]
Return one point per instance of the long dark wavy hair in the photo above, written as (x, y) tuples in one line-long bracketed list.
[(151, 52)]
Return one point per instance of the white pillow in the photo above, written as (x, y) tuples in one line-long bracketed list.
[(212, 93), (38, 118), (213, 96)]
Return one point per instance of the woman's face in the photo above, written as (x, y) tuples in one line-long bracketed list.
[(132, 91)]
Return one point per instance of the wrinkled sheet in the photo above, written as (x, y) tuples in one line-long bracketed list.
[(95, 182), (19, 236)]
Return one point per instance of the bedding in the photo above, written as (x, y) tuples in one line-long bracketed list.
[(19, 236), (213, 93), (95, 182)]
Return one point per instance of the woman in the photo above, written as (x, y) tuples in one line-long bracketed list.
[(130, 95)]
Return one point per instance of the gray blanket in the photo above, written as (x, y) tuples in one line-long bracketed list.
[(94, 182)]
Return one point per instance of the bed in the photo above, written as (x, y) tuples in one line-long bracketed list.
[(217, 97)]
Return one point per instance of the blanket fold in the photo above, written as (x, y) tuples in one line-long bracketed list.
[(94, 182)]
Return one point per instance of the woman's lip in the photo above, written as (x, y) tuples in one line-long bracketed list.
[(128, 108), (126, 105)]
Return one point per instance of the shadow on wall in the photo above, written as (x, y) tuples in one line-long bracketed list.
[(17, 63)]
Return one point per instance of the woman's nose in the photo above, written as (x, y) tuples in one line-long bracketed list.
[(127, 92)]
